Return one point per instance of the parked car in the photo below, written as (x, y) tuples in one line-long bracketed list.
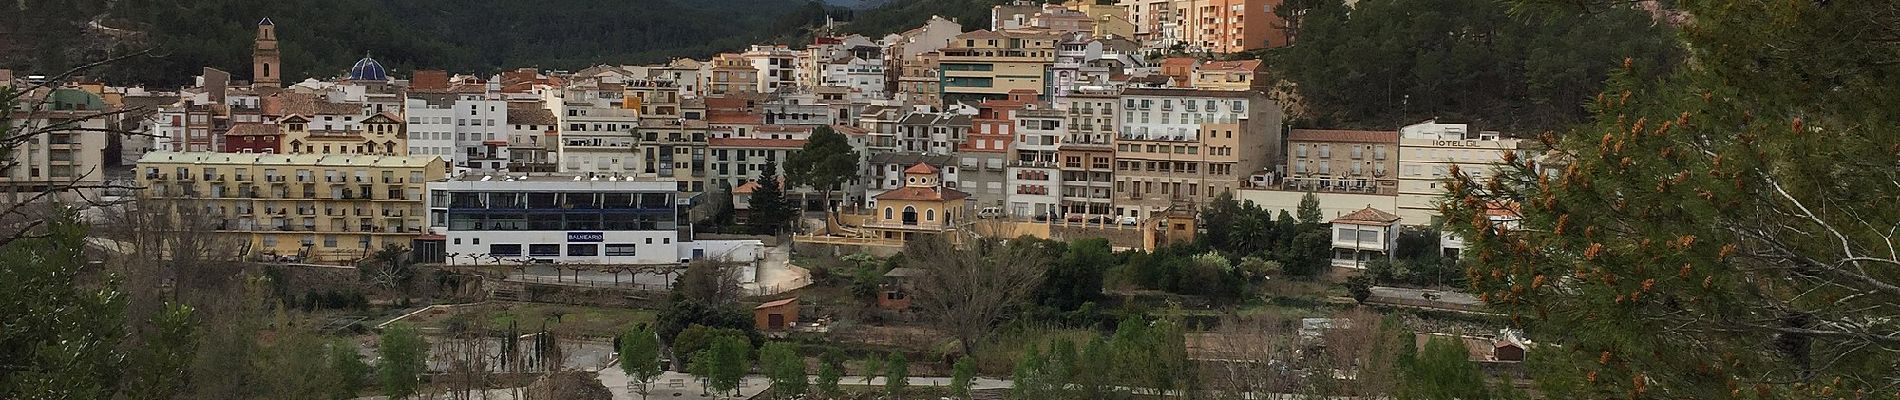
[(1075, 218), (1127, 220), (989, 212)]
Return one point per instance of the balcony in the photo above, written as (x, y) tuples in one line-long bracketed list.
[(1033, 164)]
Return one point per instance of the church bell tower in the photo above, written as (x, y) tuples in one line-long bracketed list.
[(266, 66)]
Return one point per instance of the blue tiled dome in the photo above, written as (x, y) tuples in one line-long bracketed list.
[(367, 69)]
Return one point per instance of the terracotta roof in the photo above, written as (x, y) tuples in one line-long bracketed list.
[(1179, 62), (921, 168), (753, 185), (251, 129), (1502, 210), (1330, 135), (848, 130), (725, 103), (776, 303), (785, 128), (531, 116), (719, 117), (1231, 66), (748, 142), (308, 104), (1367, 216), (923, 194), (384, 118), (981, 34)]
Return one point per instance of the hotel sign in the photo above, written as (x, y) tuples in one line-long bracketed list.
[(1455, 143), (593, 237)]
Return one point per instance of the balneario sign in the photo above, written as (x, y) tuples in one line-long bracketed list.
[(586, 236)]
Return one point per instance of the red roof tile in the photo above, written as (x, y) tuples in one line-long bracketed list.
[(1367, 216), (776, 303), (717, 117), (923, 194), (251, 129), (921, 168), (1232, 66)]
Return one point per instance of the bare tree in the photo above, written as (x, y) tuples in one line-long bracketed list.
[(967, 290), (1247, 356), (1362, 353), (25, 117)]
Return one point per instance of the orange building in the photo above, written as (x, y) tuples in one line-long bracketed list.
[(776, 315), (1219, 26)]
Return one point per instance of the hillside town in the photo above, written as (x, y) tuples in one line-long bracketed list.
[(1064, 114), (1086, 199)]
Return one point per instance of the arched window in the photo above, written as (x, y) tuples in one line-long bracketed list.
[(266, 70), (910, 215), (930, 214), (887, 213)]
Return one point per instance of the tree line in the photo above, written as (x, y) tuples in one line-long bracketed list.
[(321, 39), (1383, 63)]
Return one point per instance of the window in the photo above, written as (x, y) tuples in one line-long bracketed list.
[(621, 249), (329, 240), (583, 250), (544, 250), (504, 250)]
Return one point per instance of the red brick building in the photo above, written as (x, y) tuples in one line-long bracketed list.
[(253, 138)]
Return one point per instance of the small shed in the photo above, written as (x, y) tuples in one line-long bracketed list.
[(894, 293), (776, 315)]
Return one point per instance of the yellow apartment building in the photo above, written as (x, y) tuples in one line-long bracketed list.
[(319, 208), (987, 65), (380, 134)]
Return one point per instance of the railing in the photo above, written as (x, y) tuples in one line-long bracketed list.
[(569, 281)]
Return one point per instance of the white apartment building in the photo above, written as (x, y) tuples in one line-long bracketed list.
[(933, 133), (469, 130), (57, 157), (597, 139), (1427, 152), (1183, 147), (777, 66), (558, 219), (431, 127), (1035, 179), (864, 77)]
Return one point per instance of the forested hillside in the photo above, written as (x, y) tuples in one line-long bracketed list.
[(323, 37), (902, 15), (1392, 62)]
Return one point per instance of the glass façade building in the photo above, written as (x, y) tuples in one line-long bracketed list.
[(557, 218)]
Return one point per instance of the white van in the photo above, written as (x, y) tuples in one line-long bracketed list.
[(990, 212)]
